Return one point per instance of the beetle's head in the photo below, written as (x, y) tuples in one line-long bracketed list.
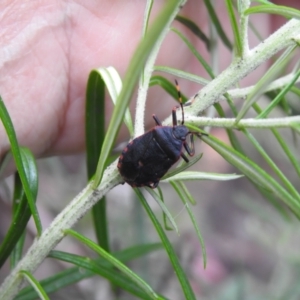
[(180, 132)]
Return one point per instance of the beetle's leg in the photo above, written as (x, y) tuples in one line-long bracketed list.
[(174, 116), (190, 149), (200, 134), (153, 185), (184, 157), (190, 103), (157, 121)]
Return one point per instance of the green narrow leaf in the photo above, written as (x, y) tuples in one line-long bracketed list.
[(195, 175), (235, 28), (182, 74), (105, 269), (289, 186), (255, 30), (194, 28), (180, 188), (95, 133), (279, 97), (167, 86), (100, 222), (147, 14), (113, 83), (185, 285), (183, 166), (283, 104), (264, 2), (187, 193), (94, 120), (165, 218), (134, 70), (219, 28), (294, 160), (237, 146), (116, 263), (163, 207), (254, 172), (36, 285), (134, 252), (199, 57), (295, 90), (55, 283), (77, 274), (18, 198), (21, 210), (234, 141), (270, 75), (15, 149), (286, 149), (287, 12)]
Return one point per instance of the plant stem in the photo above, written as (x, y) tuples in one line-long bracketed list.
[(276, 84), (211, 93), (244, 123), (146, 75), (244, 20)]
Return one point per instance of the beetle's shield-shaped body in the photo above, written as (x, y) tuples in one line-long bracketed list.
[(148, 157)]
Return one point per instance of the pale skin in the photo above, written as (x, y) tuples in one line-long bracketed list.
[(47, 51)]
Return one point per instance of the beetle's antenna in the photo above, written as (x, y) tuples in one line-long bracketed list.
[(180, 100)]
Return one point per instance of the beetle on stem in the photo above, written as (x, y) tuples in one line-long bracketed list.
[(147, 158)]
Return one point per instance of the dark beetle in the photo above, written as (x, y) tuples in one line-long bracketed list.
[(147, 158)]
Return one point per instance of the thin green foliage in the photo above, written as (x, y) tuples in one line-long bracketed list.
[(185, 285), (234, 141), (159, 200), (181, 190), (218, 25), (147, 15), (195, 29), (254, 173), (194, 175), (183, 166), (270, 75), (165, 217), (285, 11), (274, 167), (199, 57), (86, 267), (278, 98), (13, 242), (20, 162), (182, 74), (36, 285), (116, 263), (95, 133), (167, 86), (285, 147), (235, 28)]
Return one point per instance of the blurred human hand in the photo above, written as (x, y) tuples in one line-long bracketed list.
[(47, 51)]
